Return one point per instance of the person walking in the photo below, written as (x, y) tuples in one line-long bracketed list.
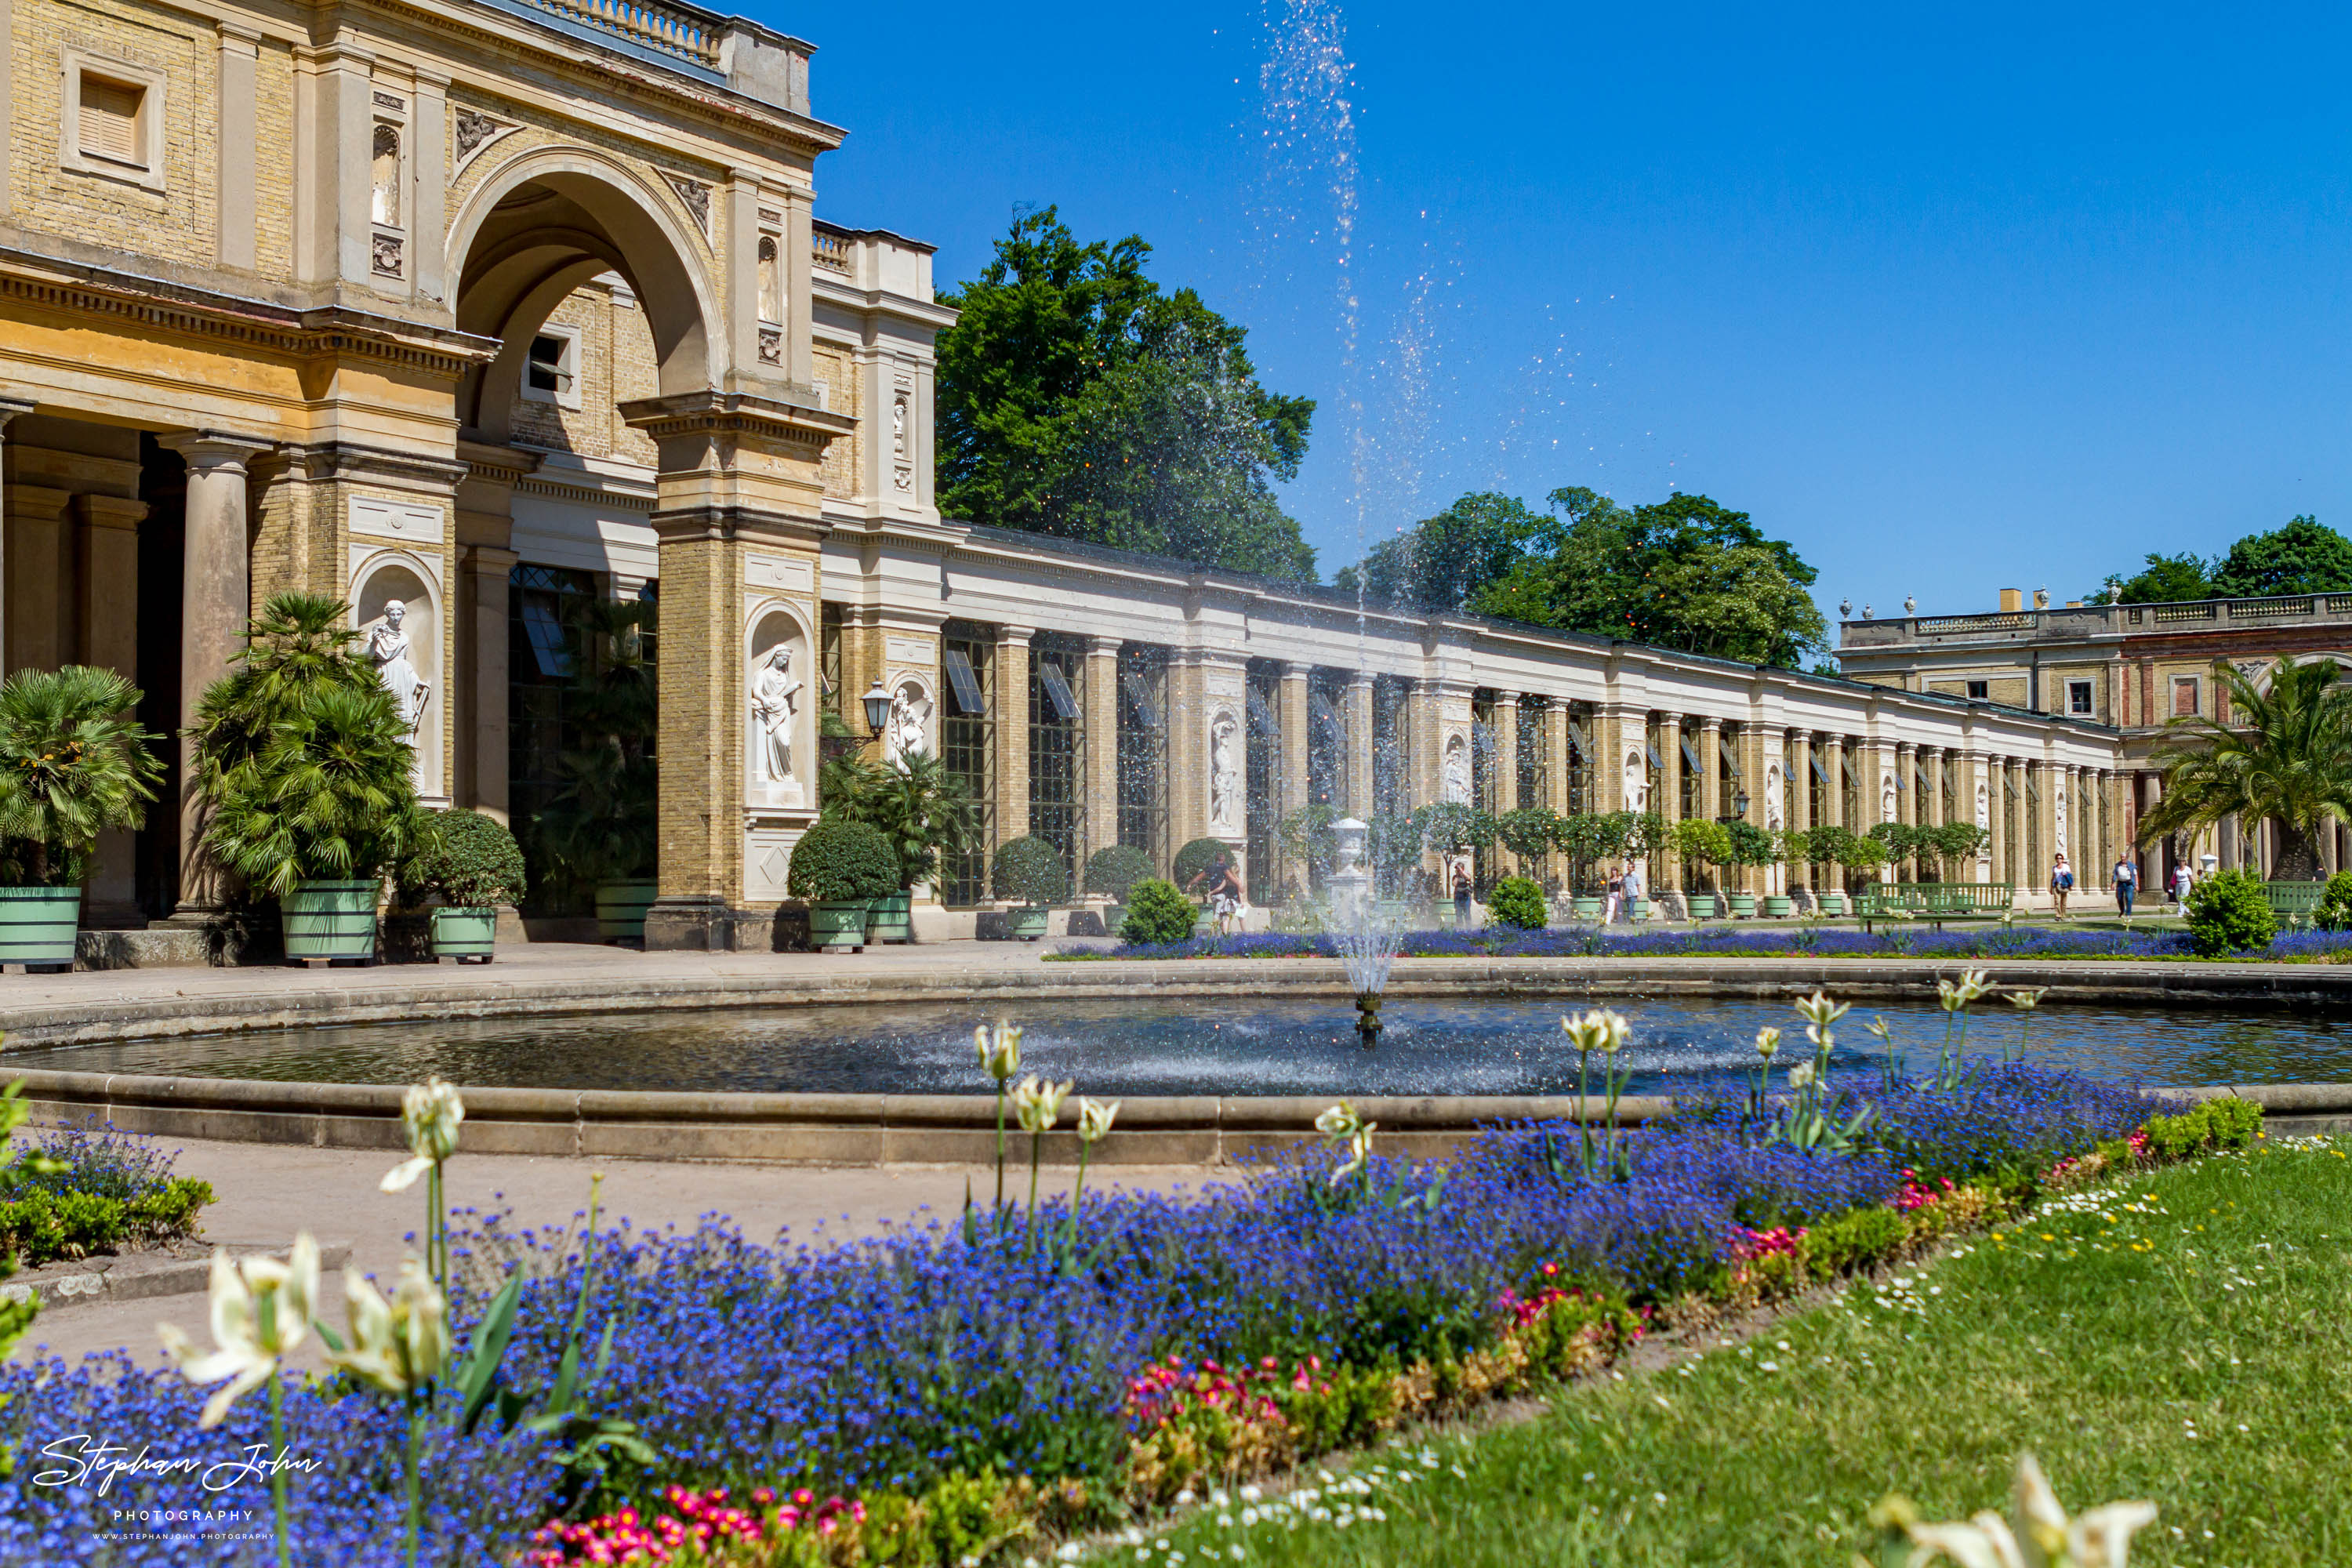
[(2061, 882), (2125, 880), (1225, 897), (1637, 886), (1461, 895), (2183, 879), (1616, 895)]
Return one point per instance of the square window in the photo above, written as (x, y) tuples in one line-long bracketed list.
[(551, 372), (2078, 697), (112, 120), (1980, 689), (2184, 697)]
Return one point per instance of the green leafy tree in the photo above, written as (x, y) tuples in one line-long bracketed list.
[(2304, 557), (73, 764), (302, 757), (2287, 757), (1448, 559), (2165, 579), (1077, 399)]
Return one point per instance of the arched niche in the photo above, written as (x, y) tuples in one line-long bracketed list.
[(914, 716), (379, 582), (779, 708)]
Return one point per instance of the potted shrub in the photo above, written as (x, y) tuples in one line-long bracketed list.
[(1112, 874), (306, 779), (1832, 846), (920, 809), (598, 831), (73, 764), (1529, 834), (1697, 842), (1751, 846), (1792, 847), (1645, 833), (840, 867), (1162, 914), (1029, 872), (474, 864)]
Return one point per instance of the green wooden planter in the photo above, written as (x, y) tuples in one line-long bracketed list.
[(37, 925), (463, 935), (1779, 906), (1742, 904), (1831, 903), (1702, 906), (1637, 909), (330, 921), (1113, 916), (892, 919), (1587, 908), (1027, 921), (838, 926), (621, 910)]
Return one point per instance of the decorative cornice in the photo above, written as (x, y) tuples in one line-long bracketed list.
[(738, 414), (329, 330)]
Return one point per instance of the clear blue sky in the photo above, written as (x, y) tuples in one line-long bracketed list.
[(1989, 296)]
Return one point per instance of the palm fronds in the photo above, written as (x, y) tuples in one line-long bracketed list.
[(2287, 757), (74, 763)]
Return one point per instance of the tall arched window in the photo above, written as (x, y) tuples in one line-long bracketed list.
[(772, 284), (387, 175)]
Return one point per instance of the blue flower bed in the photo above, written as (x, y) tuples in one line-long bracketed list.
[(1735, 942), (887, 1364)]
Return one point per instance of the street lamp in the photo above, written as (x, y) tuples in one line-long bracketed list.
[(877, 709), (1739, 806)]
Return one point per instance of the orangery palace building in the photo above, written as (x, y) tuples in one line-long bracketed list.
[(482, 309)]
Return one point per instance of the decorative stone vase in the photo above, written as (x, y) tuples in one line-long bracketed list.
[(1778, 906), (838, 925), (463, 935), (892, 919), (1587, 906), (37, 926), (330, 921), (621, 908), (1743, 905), (1026, 921), (1702, 906)]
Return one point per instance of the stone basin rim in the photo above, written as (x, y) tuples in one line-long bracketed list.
[(381, 995)]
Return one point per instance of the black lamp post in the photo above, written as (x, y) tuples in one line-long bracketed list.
[(1739, 806), (877, 709)]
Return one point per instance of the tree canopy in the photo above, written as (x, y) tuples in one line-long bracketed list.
[(1685, 573), (1077, 399), (2305, 556), (2285, 757)]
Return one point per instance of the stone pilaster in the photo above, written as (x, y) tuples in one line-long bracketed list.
[(9, 408), (106, 573), (1505, 722), (36, 558), (1798, 745), (1011, 698), (1356, 710), (1215, 720), (1099, 700), (484, 662)]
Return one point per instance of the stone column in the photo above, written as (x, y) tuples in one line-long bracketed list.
[(1711, 804), (1505, 722), (1995, 775), (1797, 748), (36, 561), (1012, 726), (1666, 799), (106, 576), (1291, 699), (1098, 699), (1356, 708), (1907, 801), (9, 408), (2028, 834), (484, 571), (1425, 714), (1832, 812), (215, 603), (1556, 749)]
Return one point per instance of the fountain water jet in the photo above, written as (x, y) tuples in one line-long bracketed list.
[(1367, 942)]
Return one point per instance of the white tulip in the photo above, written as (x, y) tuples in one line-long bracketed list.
[(1095, 1119), (999, 1050), (261, 1308), (430, 1114), (397, 1345), (1038, 1103)]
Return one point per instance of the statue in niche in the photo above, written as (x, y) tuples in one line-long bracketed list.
[(388, 646), (775, 697), (1773, 819), (1457, 770), (1887, 797), (1637, 782), (1984, 821), (910, 721), (1224, 771), (2058, 821)]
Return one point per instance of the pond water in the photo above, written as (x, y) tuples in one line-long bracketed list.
[(1242, 1046)]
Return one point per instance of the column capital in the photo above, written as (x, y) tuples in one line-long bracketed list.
[(1506, 698), (1110, 645), (207, 450), (12, 406), (1709, 721), (110, 511), (487, 557), (1011, 635), (1294, 670)]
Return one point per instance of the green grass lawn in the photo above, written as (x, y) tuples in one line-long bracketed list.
[(2185, 1337)]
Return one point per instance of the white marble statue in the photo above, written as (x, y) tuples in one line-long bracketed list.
[(1457, 770), (2058, 821), (1224, 771), (910, 721), (1887, 802), (1637, 781), (1772, 798), (387, 644), (1984, 821), (775, 697)]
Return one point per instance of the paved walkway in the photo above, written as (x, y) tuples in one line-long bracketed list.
[(266, 1194)]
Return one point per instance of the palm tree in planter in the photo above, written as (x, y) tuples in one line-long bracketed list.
[(475, 865), (922, 810), (2285, 757), (307, 778), (840, 867), (73, 765)]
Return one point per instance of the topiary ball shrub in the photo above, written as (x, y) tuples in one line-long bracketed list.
[(1112, 872), (2334, 910), (2228, 912), (1157, 912), (1194, 861), (473, 860), (1516, 902), (840, 862), (1029, 870)]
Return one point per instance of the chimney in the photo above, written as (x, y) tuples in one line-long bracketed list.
[(2012, 601)]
